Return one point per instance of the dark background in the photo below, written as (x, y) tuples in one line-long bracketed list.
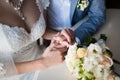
[(113, 4)]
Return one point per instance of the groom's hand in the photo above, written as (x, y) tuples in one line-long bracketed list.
[(66, 38), (69, 35)]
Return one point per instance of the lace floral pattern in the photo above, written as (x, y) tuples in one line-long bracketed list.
[(45, 3), (2, 70), (16, 36)]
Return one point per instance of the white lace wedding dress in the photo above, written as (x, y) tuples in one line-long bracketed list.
[(16, 45)]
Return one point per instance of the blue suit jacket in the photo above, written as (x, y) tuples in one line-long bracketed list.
[(96, 12)]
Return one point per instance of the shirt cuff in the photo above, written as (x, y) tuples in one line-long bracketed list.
[(77, 40)]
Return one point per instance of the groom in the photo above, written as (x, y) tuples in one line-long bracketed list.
[(84, 17)]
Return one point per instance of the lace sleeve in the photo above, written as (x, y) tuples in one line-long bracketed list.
[(7, 66)]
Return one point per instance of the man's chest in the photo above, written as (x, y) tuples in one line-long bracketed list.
[(60, 3)]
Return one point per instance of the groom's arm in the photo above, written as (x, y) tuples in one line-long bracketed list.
[(96, 17)]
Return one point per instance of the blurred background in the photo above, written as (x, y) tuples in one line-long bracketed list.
[(113, 4)]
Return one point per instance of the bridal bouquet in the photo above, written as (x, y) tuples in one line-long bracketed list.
[(90, 60)]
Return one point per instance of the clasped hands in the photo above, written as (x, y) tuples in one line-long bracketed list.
[(65, 38), (56, 51)]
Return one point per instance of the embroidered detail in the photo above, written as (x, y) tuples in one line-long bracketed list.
[(82, 4), (45, 3), (2, 71)]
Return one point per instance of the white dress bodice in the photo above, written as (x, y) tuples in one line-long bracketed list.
[(17, 41), (22, 46)]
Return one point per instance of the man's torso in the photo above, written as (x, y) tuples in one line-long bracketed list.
[(59, 14)]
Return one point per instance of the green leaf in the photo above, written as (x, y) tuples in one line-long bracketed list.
[(88, 40), (103, 36)]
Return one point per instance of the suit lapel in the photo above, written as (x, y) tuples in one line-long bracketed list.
[(72, 8)]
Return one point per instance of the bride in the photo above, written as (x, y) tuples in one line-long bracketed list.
[(21, 25)]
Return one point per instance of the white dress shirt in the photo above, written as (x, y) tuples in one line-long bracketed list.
[(59, 14)]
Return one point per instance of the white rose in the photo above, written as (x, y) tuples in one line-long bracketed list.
[(94, 49), (81, 52)]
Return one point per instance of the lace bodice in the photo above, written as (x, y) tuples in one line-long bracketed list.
[(18, 37), (17, 41)]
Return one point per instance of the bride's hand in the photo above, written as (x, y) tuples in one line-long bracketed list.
[(52, 55)]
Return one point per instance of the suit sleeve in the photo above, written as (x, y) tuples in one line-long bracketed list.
[(96, 18)]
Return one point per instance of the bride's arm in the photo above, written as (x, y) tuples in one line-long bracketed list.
[(24, 67), (50, 57)]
